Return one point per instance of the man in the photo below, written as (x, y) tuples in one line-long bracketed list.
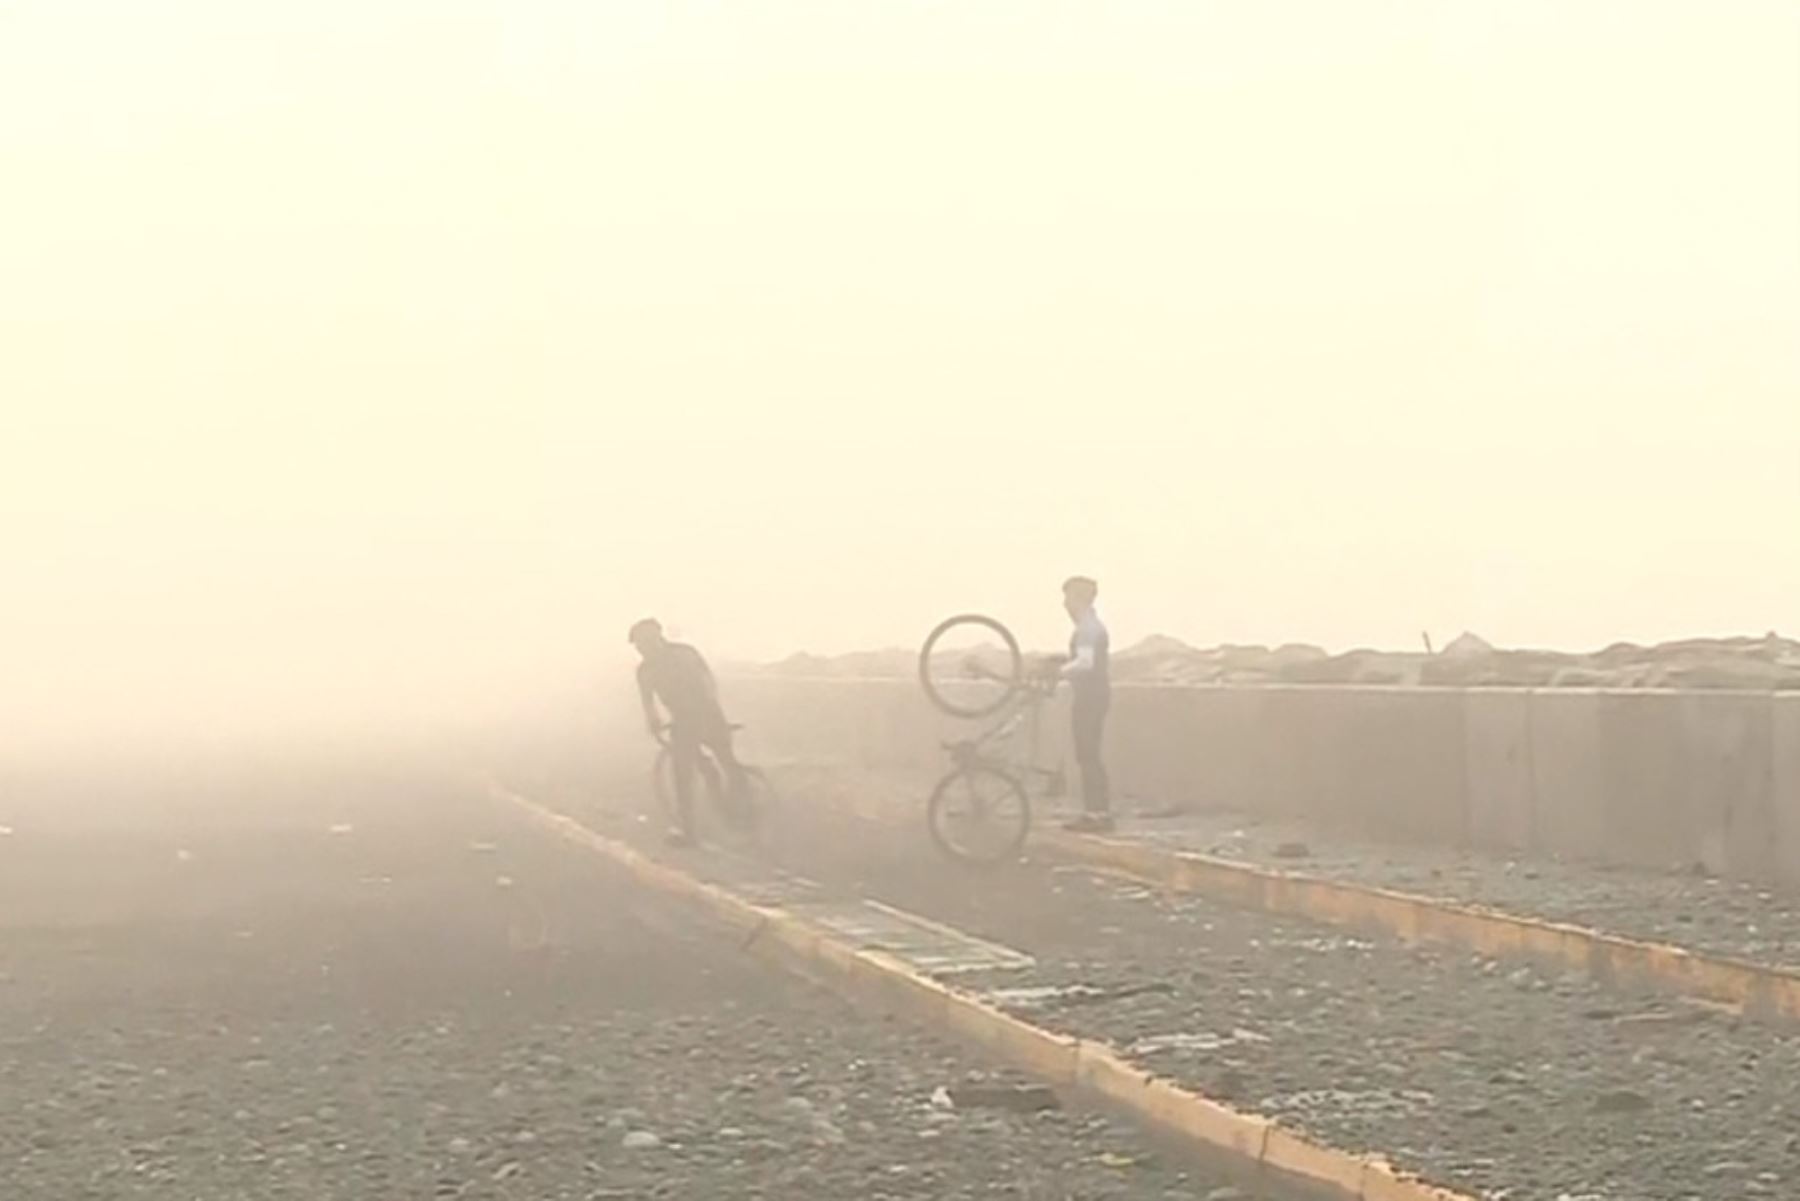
[(676, 675), (1088, 672)]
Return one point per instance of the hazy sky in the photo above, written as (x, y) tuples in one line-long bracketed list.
[(360, 355)]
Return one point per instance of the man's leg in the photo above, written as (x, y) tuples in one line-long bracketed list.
[(1089, 731), (717, 740), (684, 752), (709, 775)]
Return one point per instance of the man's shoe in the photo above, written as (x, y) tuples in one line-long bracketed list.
[(1090, 823)]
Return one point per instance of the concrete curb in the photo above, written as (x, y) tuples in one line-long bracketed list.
[(1089, 1070), (1755, 989)]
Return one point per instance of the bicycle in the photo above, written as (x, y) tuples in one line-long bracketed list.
[(743, 816), (980, 812)]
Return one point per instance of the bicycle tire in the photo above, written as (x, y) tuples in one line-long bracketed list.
[(760, 800), (1012, 680), (938, 820)]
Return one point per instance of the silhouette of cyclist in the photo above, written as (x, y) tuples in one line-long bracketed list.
[(676, 675)]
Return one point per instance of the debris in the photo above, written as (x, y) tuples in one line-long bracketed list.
[(1292, 850), (641, 1140), (1019, 1098), (941, 1098), (1049, 996), (1621, 1100)]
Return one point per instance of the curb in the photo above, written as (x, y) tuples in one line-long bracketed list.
[(1086, 1069), (1755, 989)]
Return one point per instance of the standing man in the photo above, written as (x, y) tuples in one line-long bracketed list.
[(1090, 681), (676, 674)]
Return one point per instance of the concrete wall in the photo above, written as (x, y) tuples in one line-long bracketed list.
[(1666, 779)]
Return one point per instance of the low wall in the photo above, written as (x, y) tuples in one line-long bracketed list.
[(1665, 779)]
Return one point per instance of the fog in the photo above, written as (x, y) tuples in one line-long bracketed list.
[(372, 367)]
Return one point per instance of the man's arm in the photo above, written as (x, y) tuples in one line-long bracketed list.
[(706, 676), (1087, 640), (1082, 663), (647, 697)]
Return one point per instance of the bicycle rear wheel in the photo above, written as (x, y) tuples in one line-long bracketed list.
[(979, 814), (970, 665)]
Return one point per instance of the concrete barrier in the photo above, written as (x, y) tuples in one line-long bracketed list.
[(1652, 778), (1398, 762), (1297, 746), (1199, 747), (1497, 789), (1784, 785), (1567, 779), (1726, 746), (1638, 780)]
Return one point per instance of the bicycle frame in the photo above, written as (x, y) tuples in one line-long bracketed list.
[(996, 745)]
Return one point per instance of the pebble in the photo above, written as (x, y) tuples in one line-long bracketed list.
[(1621, 1100), (641, 1140)]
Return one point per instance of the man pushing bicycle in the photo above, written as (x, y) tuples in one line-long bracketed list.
[(676, 675)]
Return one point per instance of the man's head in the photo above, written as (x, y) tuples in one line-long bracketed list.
[(1079, 593), (647, 636)]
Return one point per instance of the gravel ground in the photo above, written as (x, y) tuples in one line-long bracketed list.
[(1489, 1077), (1702, 913), (1725, 917), (364, 998)]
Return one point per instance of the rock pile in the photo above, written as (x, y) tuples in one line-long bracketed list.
[(1770, 662)]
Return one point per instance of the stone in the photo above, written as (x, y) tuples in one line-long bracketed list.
[(1621, 1100)]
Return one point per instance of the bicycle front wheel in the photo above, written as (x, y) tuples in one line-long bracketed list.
[(970, 665), (979, 814)]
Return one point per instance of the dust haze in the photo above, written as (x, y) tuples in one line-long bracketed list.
[(371, 368)]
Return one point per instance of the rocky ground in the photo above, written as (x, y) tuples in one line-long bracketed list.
[(1694, 910), (353, 990), (1495, 1078), (1689, 909)]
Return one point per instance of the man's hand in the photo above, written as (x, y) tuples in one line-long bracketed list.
[(1047, 671)]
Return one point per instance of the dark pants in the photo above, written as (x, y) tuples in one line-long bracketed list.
[(688, 735), (1089, 727)]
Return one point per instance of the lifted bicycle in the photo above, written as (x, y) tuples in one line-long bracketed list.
[(980, 811)]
